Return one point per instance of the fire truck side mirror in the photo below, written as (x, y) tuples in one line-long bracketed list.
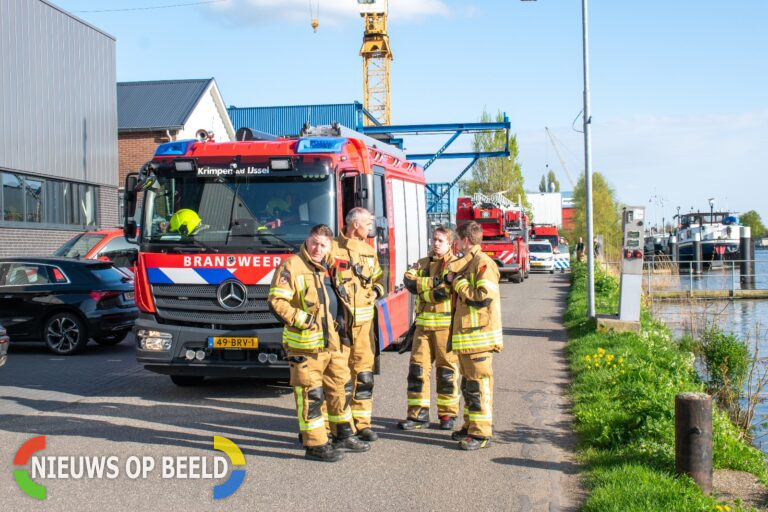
[(129, 206), (365, 192)]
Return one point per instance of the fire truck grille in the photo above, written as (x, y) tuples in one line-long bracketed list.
[(197, 304)]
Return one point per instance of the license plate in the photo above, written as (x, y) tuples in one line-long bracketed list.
[(536, 264), (128, 295), (233, 342)]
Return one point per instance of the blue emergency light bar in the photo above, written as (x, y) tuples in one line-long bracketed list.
[(178, 147), (320, 145)]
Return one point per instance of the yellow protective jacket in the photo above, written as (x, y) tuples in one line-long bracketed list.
[(298, 297), (477, 317), (433, 295), (357, 277)]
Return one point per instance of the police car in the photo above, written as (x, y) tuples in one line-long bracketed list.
[(542, 256)]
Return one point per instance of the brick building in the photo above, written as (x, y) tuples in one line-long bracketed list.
[(150, 113)]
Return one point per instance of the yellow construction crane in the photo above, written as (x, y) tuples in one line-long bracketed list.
[(376, 55)]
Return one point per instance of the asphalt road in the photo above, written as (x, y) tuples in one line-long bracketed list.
[(101, 404)]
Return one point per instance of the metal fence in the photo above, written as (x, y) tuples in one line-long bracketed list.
[(694, 276)]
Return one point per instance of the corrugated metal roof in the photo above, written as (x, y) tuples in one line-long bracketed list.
[(288, 120), (157, 105)]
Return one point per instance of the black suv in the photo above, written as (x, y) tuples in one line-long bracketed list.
[(65, 302)]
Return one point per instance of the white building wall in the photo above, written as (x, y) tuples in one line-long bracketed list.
[(546, 207), (209, 114)]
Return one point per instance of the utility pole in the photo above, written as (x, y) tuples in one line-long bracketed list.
[(588, 169)]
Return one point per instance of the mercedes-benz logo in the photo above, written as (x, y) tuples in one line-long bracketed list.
[(232, 294)]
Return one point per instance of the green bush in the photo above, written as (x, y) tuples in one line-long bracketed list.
[(726, 359)]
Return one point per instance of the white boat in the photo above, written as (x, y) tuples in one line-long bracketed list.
[(719, 232)]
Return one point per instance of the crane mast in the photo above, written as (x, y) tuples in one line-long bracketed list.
[(376, 55)]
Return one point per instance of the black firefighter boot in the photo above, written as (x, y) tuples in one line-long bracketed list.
[(323, 453), (421, 421), (347, 441)]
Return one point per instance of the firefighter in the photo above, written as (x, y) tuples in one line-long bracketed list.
[(359, 280), (475, 335), (302, 297), (426, 280)]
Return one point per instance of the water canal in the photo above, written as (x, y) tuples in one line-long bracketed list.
[(747, 318)]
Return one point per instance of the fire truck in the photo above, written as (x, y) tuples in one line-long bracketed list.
[(505, 231), (202, 291)]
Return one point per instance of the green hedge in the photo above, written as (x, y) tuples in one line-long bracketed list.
[(624, 388)]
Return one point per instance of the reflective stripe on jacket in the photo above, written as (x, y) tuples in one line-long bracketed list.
[(433, 295), (298, 297), (477, 319), (358, 276)]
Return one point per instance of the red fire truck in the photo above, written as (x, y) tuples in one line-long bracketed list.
[(505, 231), (202, 295)]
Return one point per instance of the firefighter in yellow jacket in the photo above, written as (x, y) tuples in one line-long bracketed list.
[(476, 334), (302, 296), (358, 278), (426, 280)]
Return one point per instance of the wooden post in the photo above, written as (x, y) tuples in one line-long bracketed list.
[(693, 438)]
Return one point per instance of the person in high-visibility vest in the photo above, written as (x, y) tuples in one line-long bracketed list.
[(358, 278), (426, 280), (302, 296), (475, 336)]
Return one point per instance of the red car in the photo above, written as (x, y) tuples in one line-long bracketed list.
[(105, 245)]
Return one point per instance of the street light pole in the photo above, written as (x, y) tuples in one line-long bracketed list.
[(711, 210), (588, 167)]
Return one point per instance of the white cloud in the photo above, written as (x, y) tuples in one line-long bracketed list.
[(331, 12)]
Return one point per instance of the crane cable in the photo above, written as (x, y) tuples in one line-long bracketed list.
[(314, 15)]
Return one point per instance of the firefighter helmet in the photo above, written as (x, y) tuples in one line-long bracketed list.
[(185, 221)]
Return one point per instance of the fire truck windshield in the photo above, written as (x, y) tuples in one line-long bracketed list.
[(270, 212)]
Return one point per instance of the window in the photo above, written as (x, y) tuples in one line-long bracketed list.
[(32, 200), (22, 274)]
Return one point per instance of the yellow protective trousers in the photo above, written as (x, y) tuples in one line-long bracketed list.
[(322, 378), (477, 388), (430, 347), (361, 368)]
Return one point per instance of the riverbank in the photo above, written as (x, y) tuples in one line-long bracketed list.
[(623, 390)]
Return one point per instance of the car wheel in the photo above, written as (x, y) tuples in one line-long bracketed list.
[(113, 339), (65, 334), (527, 271), (552, 271), (187, 380)]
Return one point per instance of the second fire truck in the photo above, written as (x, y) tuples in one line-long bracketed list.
[(505, 231)]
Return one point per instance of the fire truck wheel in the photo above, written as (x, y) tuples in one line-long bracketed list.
[(517, 278), (377, 365), (527, 272), (187, 380)]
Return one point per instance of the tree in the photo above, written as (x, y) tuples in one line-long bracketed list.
[(553, 182), (606, 216), (755, 223), (543, 184), (491, 175)]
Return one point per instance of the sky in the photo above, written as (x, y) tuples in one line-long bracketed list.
[(678, 88)]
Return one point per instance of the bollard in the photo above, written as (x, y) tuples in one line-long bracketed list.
[(747, 257), (697, 253), (693, 438)]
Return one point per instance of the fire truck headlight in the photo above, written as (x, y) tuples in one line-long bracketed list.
[(155, 341)]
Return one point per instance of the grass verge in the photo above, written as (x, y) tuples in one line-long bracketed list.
[(624, 387)]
